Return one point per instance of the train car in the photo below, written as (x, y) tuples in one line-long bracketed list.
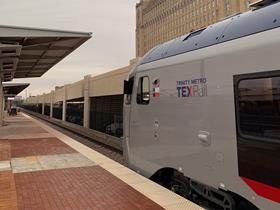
[(202, 113)]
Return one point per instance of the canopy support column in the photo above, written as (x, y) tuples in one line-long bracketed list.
[(64, 104), (1, 104), (86, 101), (51, 105)]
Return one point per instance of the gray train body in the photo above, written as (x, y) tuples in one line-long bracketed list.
[(184, 106)]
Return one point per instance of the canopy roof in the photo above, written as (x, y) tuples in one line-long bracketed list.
[(30, 52), (13, 89)]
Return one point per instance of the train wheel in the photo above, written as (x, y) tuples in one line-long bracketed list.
[(228, 203), (180, 187)]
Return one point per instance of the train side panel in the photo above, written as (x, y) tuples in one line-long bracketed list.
[(189, 123)]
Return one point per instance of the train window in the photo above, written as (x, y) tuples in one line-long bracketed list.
[(258, 104), (143, 91)]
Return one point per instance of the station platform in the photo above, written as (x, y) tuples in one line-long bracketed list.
[(41, 168)]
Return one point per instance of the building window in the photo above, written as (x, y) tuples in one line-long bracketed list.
[(258, 108), (143, 91)]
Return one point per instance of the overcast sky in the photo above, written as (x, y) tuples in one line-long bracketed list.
[(112, 23)]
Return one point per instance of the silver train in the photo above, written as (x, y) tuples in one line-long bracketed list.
[(202, 113)]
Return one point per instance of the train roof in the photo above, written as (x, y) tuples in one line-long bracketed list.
[(231, 28)]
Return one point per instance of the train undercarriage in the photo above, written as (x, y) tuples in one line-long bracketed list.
[(203, 195)]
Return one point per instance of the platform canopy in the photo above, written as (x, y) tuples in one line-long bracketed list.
[(30, 52), (13, 89)]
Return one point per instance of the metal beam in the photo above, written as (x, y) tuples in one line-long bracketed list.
[(35, 57), (40, 40), (46, 47)]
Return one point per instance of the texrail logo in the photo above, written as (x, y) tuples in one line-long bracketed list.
[(192, 88)]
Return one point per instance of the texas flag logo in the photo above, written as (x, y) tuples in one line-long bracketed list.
[(156, 89)]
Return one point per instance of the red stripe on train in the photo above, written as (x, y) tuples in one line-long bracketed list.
[(266, 191)]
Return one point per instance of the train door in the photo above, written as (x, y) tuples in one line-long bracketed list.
[(257, 98), (140, 122)]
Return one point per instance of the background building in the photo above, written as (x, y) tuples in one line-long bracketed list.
[(158, 21)]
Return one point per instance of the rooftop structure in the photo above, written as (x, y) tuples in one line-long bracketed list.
[(261, 3)]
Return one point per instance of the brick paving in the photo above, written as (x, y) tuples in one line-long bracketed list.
[(77, 188), (63, 181), (5, 150), (35, 147), (32, 147), (20, 130), (8, 199)]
